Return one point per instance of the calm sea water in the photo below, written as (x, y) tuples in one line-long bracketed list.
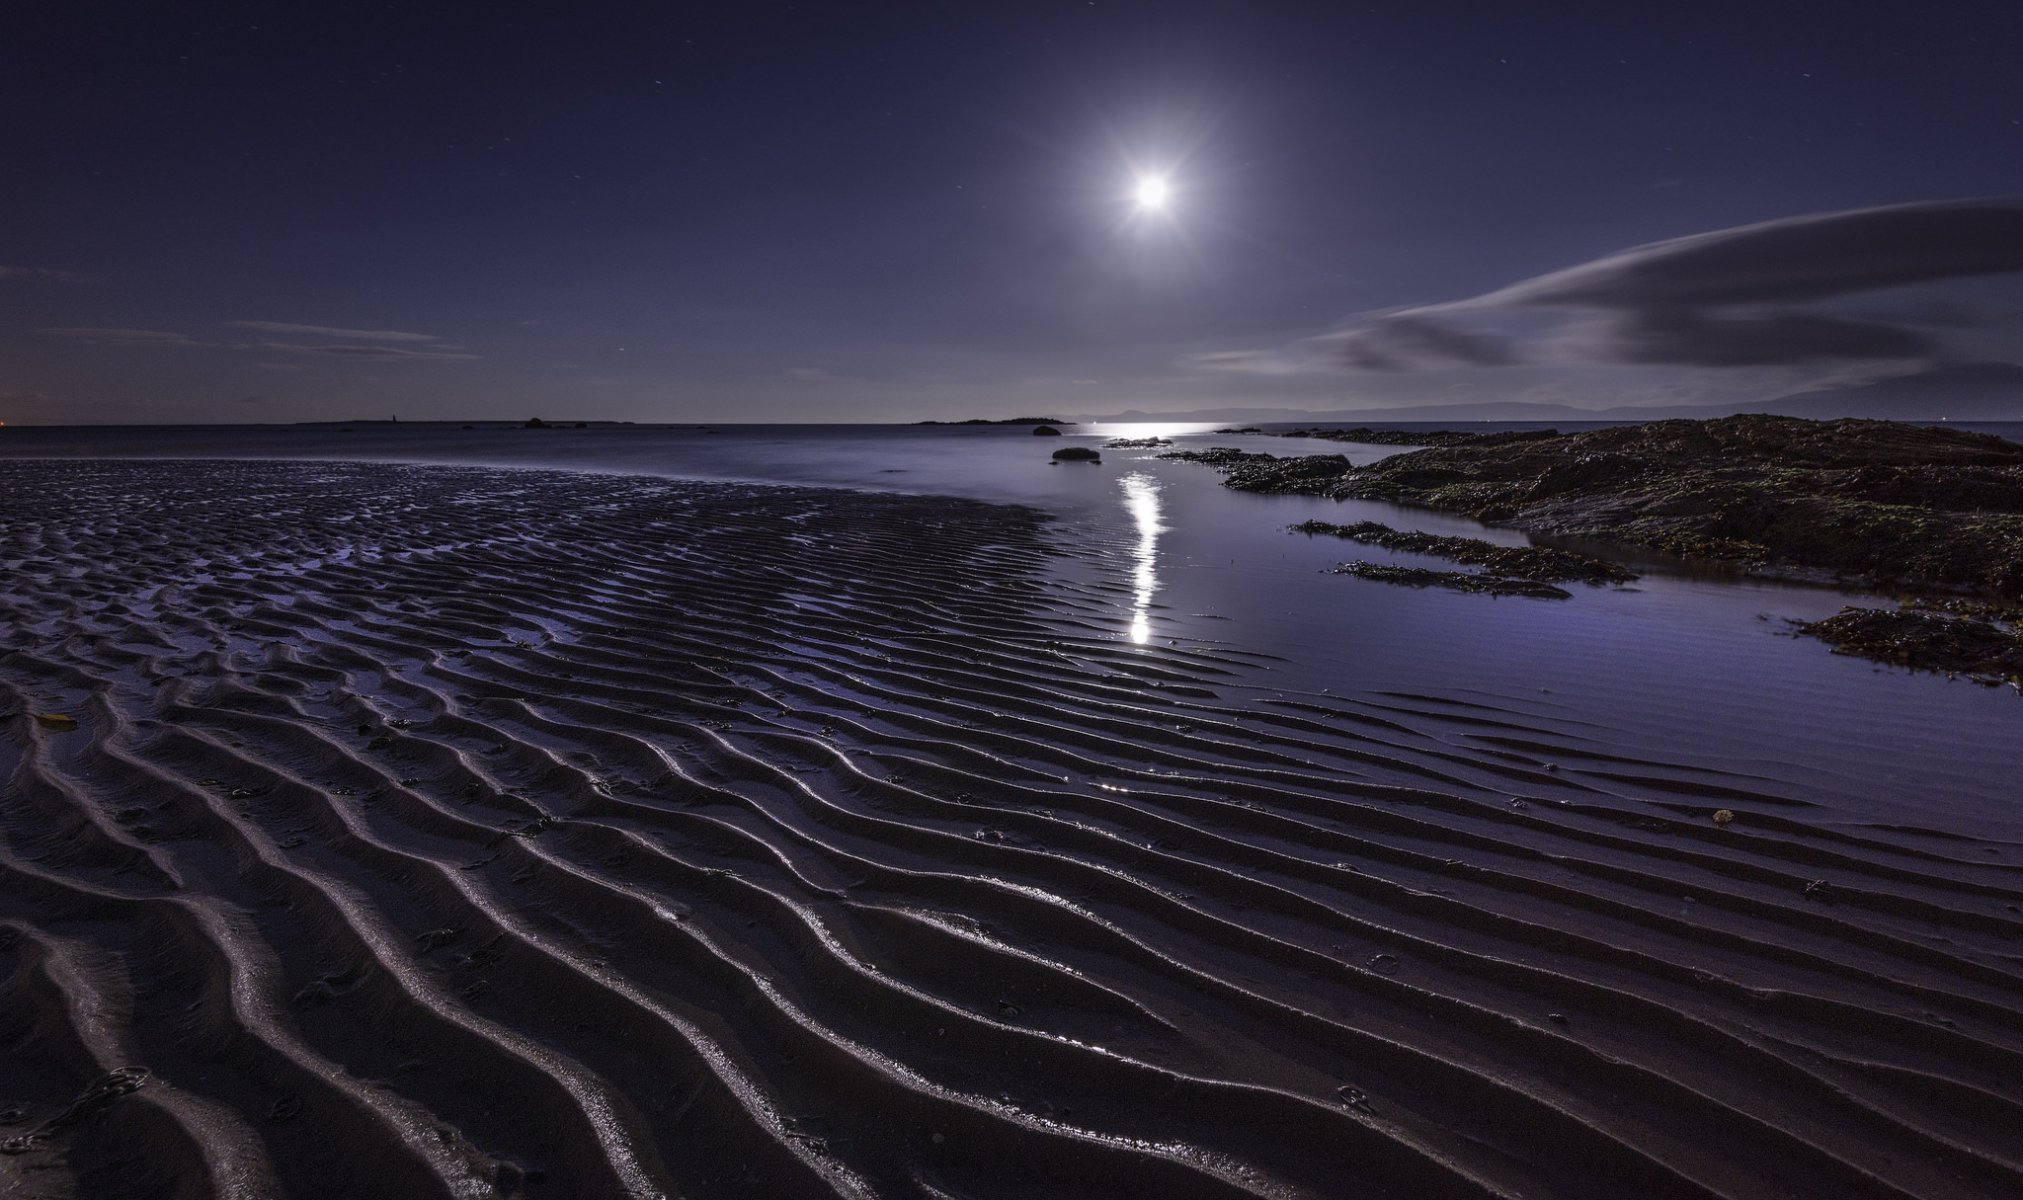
[(1676, 669)]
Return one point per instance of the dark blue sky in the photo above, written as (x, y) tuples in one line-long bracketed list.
[(661, 211)]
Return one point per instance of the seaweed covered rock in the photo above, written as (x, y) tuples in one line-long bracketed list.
[(1220, 456), (1543, 564), (1479, 583), (1295, 475), (1872, 502), (1983, 643)]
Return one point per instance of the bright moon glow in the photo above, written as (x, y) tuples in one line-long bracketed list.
[(1151, 193)]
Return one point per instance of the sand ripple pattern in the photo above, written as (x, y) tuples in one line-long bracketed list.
[(453, 832)]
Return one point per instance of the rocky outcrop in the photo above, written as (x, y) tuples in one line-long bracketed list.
[(1219, 456), (1453, 581), (1985, 643), (1540, 564), (1869, 502), (1267, 474), (1928, 512)]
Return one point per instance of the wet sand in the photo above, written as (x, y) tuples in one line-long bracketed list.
[(461, 831)]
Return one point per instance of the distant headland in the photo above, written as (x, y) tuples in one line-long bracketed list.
[(484, 423), (1005, 421)]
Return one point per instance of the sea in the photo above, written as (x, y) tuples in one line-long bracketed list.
[(1687, 667)]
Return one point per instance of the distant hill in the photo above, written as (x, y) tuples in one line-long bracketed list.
[(1495, 411), (1984, 391), (1981, 391), (1001, 421)]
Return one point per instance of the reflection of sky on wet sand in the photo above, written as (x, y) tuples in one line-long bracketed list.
[(1141, 500)]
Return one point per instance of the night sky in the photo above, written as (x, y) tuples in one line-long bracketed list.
[(661, 211)]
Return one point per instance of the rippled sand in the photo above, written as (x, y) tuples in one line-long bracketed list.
[(451, 831)]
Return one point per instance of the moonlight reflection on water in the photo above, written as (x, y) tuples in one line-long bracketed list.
[(1141, 500)]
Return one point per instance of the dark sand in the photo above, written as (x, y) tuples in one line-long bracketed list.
[(445, 831)]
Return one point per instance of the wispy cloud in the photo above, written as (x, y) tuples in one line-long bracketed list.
[(153, 338), (1689, 337), (370, 353), (423, 348), (330, 331), (49, 273), (1247, 362), (1405, 340), (1794, 259), (1750, 296)]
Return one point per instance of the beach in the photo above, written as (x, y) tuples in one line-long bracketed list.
[(503, 830)]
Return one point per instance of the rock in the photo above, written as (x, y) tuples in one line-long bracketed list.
[(1077, 454), (1935, 513), (1045, 431), (1220, 456), (1453, 581), (1952, 635), (1542, 564), (1874, 503), (1310, 475), (535, 423)]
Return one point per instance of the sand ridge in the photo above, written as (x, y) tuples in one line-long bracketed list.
[(490, 832)]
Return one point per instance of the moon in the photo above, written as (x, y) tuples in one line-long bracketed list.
[(1152, 193)]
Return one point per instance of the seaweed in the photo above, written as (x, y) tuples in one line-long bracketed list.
[(1545, 564), (1453, 581), (1977, 644)]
